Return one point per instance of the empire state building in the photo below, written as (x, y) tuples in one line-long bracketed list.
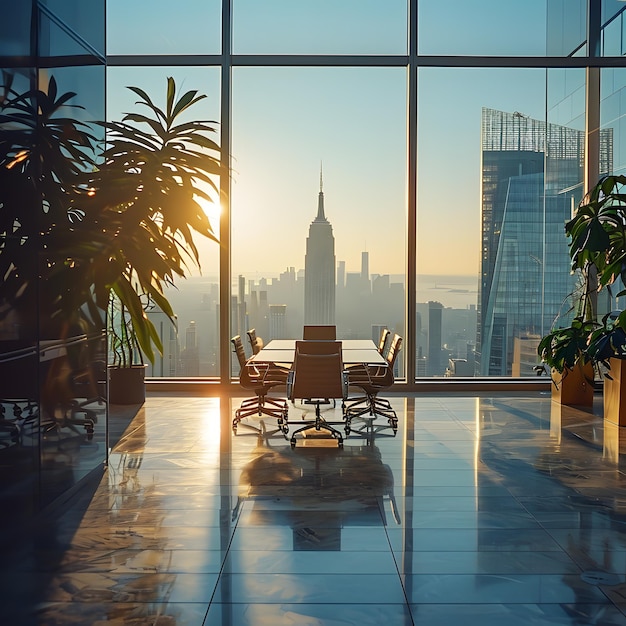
[(319, 269)]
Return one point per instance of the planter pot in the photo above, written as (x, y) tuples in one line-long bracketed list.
[(127, 384), (574, 387), (614, 395)]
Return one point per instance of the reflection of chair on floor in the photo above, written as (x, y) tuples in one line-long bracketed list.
[(261, 379), (372, 380), (317, 491), (317, 374)]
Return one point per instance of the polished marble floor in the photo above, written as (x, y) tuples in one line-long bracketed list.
[(489, 510)]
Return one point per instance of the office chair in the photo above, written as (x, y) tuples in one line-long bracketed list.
[(256, 343), (319, 333), (316, 375), (260, 378), (360, 367), (372, 380)]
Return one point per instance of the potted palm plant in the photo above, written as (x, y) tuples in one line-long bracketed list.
[(156, 169), (564, 351)]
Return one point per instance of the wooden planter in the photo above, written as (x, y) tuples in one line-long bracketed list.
[(574, 387), (127, 384), (614, 395)]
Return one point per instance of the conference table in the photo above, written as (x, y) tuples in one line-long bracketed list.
[(353, 352)]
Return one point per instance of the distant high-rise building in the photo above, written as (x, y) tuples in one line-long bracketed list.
[(262, 323), (531, 179), (189, 357), (366, 285), (242, 314), (341, 274), (435, 310), (278, 315), (319, 269), (164, 364)]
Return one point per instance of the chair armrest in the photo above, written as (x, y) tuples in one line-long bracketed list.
[(345, 382), (290, 379), (358, 374)]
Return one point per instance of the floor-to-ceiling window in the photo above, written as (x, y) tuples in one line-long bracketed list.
[(446, 146), (191, 346), (317, 146)]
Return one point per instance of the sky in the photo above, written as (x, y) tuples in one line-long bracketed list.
[(287, 123)]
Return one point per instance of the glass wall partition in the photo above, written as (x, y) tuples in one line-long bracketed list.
[(53, 413)]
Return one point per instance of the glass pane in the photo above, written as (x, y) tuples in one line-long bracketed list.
[(320, 27), (482, 27), (612, 112), (567, 26), (85, 19), (163, 27), (191, 349), (318, 150), (15, 28), (482, 168)]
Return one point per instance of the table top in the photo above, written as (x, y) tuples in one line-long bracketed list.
[(346, 344), (354, 351)]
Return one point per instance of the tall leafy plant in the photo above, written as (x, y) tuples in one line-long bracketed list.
[(145, 202), (597, 248)]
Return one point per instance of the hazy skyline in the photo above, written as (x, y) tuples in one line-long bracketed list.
[(287, 120)]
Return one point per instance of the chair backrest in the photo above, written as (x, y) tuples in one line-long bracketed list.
[(394, 349), (256, 343), (317, 374), (239, 351), (319, 332), (382, 342)]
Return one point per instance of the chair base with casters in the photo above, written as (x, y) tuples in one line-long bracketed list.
[(320, 424), (372, 381), (260, 378), (368, 409), (263, 406), (369, 406)]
